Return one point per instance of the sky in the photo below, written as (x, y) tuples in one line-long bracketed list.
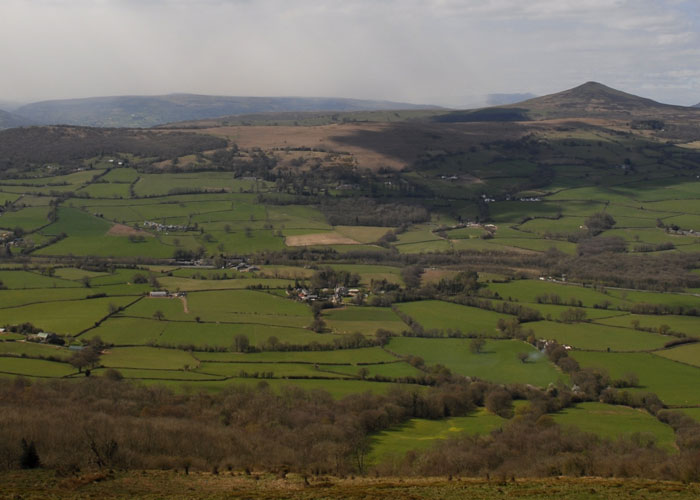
[(444, 52)]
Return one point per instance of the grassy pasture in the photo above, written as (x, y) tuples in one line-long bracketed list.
[(346, 356), (692, 412), (420, 434), (35, 367), (16, 298), (127, 331), (109, 246), (690, 325), (509, 211), (465, 233), (29, 219), (689, 354), (419, 233), (597, 337), (192, 285), (208, 334), (669, 298), (75, 222), (75, 179), (33, 349), (562, 225), (156, 184), (674, 383), (370, 272), (17, 280), (127, 175), (279, 370), (66, 317), (106, 190), (393, 370), (613, 421), (435, 314), (148, 357), (363, 319), (74, 274), (7, 197), (497, 362), (529, 290)]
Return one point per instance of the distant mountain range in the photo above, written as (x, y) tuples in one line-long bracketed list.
[(148, 111), (590, 100)]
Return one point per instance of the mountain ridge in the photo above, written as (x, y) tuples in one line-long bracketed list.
[(149, 111)]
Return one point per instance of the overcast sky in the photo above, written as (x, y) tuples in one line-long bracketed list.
[(447, 52)]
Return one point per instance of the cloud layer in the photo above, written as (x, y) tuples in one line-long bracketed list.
[(447, 52)]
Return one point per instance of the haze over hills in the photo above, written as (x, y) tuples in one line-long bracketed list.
[(148, 111), (11, 120)]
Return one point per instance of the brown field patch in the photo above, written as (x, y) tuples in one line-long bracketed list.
[(123, 230), (370, 145), (435, 275), (304, 240)]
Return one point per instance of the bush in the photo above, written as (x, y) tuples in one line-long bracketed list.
[(29, 458)]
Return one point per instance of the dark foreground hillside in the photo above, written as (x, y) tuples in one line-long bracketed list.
[(177, 485)]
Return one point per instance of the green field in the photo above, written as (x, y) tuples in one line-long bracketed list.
[(497, 362), (419, 434), (688, 354), (432, 314), (366, 320), (614, 422), (597, 337), (66, 317), (674, 383)]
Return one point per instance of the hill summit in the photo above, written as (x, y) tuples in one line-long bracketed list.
[(592, 99)]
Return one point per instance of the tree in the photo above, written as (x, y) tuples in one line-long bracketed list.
[(363, 373), (500, 402), (241, 343), (159, 315), (318, 325), (476, 345), (383, 336), (87, 358), (523, 357), (573, 315), (599, 222)]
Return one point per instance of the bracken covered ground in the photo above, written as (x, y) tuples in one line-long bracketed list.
[(159, 484)]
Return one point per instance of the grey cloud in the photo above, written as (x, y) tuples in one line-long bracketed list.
[(448, 52)]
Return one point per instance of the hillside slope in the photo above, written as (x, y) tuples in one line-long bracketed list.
[(11, 120), (590, 100), (147, 111)]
